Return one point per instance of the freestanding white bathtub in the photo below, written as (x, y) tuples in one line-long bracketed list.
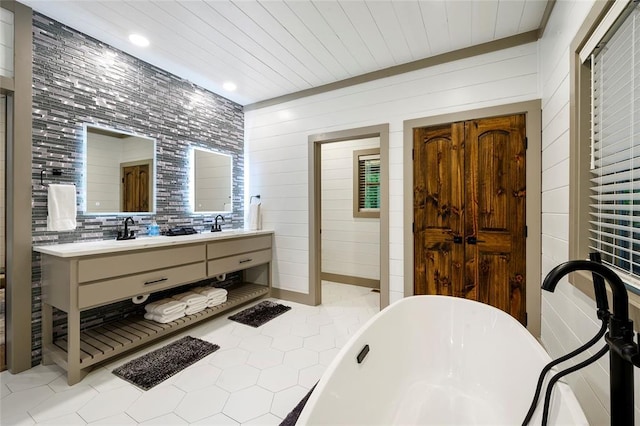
[(438, 360)]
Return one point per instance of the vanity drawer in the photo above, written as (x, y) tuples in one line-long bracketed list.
[(236, 263), (108, 291), (103, 267), (235, 246)]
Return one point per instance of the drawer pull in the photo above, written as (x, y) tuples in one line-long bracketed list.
[(156, 281), (245, 260)]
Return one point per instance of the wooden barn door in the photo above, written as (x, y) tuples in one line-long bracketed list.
[(469, 212)]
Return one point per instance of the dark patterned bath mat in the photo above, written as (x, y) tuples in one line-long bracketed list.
[(292, 417), (157, 366), (257, 315)]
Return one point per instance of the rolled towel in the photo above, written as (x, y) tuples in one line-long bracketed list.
[(190, 298), (192, 309), (165, 307), (163, 319)]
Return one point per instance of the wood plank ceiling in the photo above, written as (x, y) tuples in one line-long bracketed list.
[(271, 48)]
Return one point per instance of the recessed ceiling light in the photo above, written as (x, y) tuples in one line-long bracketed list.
[(139, 40), (229, 86)]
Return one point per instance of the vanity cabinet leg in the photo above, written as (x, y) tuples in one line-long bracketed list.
[(74, 375), (47, 333)]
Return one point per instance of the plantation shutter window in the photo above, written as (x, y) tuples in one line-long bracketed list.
[(367, 183), (615, 146)]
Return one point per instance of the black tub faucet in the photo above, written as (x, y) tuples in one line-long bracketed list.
[(624, 353), (127, 234), (216, 226)]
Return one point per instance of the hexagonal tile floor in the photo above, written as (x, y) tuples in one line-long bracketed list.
[(256, 377)]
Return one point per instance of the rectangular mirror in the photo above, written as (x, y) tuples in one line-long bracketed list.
[(211, 179), (119, 171)]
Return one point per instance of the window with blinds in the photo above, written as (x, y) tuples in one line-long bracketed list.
[(367, 183), (615, 148)]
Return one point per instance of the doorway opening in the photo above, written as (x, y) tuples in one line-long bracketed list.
[(376, 135)]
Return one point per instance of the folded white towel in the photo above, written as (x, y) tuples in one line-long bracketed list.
[(219, 296), (215, 302), (190, 298), (163, 319), (210, 292), (165, 307), (192, 309), (61, 206)]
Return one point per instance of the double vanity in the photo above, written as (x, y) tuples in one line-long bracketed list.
[(81, 276)]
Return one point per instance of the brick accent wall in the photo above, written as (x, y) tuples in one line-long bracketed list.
[(77, 80)]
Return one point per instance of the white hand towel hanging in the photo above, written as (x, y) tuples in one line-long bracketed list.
[(61, 204), (255, 219)]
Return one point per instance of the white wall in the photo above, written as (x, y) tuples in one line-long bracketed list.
[(568, 316), (6, 43), (277, 144), (350, 245), (136, 149), (103, 158), (212, 181)]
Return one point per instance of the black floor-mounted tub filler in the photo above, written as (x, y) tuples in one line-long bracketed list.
[(624, 353)]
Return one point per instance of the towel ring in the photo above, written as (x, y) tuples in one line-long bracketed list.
[(55, 172)]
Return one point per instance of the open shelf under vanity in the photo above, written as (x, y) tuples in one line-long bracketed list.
[(110, 339)]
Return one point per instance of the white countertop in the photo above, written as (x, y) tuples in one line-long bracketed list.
[(88, 248)]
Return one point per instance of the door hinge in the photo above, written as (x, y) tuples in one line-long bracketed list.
[(526, 231), (526, 143), (413, 154), (526, 319)]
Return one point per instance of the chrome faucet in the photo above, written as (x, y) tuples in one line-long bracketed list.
[(127, 234), (216, 226), (624, 353)]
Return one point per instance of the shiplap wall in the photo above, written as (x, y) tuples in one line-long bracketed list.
[(277, 147), (568, 316), (350, 245)]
